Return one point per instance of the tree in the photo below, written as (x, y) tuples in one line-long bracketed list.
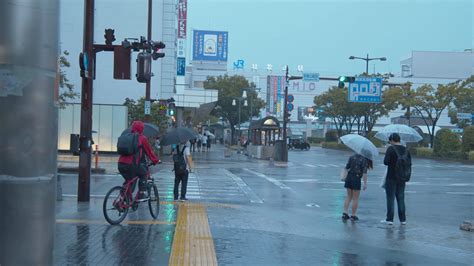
[(136, 112), (430, 103), (463, 103), (333, 103), (229, 88), (67, 92)]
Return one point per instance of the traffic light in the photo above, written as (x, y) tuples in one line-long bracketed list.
[(143, 67), (344, 79), (171, 109), (289, 107)]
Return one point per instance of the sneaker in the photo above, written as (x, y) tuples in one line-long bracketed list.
[(345, 216), (175, 199), (183, 199), (354, 218), (404, 223), (387, 222), (143, 196)]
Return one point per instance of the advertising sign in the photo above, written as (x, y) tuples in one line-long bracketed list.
[(181, 66), (182, 17), (210, 45), (275, 89)]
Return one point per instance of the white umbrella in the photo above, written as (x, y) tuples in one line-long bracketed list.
[(407, 134), (208, 133), (360, 145)]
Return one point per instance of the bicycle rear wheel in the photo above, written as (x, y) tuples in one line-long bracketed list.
[(115, 206), (154, 201)]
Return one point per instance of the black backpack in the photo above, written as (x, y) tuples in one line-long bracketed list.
[(357, 166), (403, 166), (179, 162), (127, 144)]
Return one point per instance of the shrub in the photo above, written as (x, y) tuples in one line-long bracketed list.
[(334, 145), (446, 144), (471, 156), (315, 140), (331, 135), (423, 152), (468, 139), (375, 141)]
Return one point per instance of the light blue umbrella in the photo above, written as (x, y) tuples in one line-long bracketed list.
[(407, 134), (360, 145)]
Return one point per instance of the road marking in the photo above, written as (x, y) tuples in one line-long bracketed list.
[(81, 221), (410, 191), (334, 165), (192, 242), (301, 180), (244, 187), (322, 165), (309, 165), (460, 193), (313, 205), (270, 179), (335, 189), (461, 185)]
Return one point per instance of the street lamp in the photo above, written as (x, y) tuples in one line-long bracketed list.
[(239, 99), (367, 59)]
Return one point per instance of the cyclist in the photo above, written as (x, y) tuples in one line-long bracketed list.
[(129, 169)]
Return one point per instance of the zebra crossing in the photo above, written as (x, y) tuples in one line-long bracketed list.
[(340, 165)]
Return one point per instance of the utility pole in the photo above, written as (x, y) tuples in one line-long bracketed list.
[(285, 111), (85, 140)]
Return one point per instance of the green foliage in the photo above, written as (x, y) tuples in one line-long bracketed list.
[(375, 141), (446, 144), (331, 135), (66, 89), (471, 156), (315, 140), (463, 102), (136, 111), (468, 139), (423, 152), (334, 145), (231, 87)]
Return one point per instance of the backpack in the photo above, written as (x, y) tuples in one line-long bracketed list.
[(127, 144), (179, 162), (403, 166)]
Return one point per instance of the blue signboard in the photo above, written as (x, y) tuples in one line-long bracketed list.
[(311, 76), (365, 90), (181, 66), (210, 45)]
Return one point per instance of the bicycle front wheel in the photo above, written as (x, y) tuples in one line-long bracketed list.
[(115, 206), (154, 201)]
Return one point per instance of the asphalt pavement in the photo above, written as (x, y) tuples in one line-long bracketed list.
[(263, 214)]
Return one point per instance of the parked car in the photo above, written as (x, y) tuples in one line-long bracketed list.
[(298, 143)]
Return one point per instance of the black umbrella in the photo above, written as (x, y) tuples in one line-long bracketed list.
[(149, 130), (177, 136)]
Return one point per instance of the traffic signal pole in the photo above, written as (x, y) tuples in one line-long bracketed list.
[(285, 111), (148, 83), (85, 141)]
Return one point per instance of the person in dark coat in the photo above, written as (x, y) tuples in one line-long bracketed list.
[(129, 169), (394, 186)]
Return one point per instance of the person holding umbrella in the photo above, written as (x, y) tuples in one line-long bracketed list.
[(356, 170)]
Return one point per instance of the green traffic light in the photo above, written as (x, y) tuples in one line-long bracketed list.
[(342, 78)]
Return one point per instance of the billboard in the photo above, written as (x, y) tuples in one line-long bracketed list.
[(275, 91), (210, 45), (182, 17)]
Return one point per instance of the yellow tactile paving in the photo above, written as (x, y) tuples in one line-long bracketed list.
[(193, 243)]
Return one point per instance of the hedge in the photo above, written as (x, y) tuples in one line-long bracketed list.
[(315, 140), (468, 139), (471, 156), (375, 141), (447, 144), (334, 145), (423, 152), (331, 135)]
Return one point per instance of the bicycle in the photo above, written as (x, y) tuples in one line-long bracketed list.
[(120, 199)]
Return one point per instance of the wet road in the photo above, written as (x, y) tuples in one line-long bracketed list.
[(268, 215)]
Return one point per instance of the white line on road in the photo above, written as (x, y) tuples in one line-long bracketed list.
[(322, 165), (244, 187), (335, 189), (460, 193), (461, 185), (270, 179), (309, 165)]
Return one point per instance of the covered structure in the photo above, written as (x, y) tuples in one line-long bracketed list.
[(263, 135)]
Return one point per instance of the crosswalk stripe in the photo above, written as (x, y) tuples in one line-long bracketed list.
[(244, 187), (270, 179)]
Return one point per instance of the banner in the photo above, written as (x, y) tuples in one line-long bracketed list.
[(182, 17), (210, 45)]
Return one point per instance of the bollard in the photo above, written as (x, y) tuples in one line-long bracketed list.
[(96, 156)]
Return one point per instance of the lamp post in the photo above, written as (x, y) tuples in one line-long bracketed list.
[(367, 59), (239, 99)]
